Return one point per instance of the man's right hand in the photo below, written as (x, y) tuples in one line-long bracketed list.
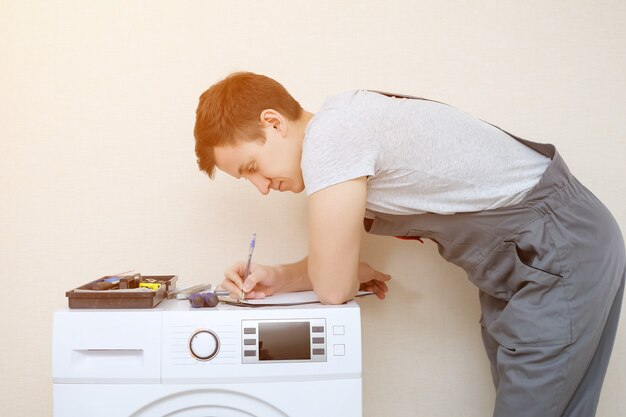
[(263, 280)]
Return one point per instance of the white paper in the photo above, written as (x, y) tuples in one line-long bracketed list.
[(293, 298)]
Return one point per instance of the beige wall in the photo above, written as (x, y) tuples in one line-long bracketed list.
[(98, 175)]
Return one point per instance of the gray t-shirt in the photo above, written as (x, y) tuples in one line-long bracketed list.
[(418, 155)]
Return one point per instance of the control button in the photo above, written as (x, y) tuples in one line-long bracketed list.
[(204, 345), (339, 350), (249, 330), (317, 340), (318, 329), (249, 341), (339, 330), (249, 353), (318, 351)]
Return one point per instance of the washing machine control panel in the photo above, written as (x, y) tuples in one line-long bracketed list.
[(283, 340), (229, 344)]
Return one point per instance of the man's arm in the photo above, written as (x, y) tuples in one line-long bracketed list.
[(335, 223), (265, 280), (294, 277)]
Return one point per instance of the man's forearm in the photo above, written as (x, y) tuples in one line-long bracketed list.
[(295, 276)]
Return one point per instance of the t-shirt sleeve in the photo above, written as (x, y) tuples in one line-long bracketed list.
[(336, 149)]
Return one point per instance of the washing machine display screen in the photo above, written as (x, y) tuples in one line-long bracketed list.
[(284, 341)]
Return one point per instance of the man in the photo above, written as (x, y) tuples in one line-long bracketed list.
[(547, 256)]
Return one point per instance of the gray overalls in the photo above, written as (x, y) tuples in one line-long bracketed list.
[(550, 272)]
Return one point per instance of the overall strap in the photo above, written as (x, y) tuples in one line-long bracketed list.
[(394, 95)]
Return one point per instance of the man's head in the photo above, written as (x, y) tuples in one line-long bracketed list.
[(249, 126)]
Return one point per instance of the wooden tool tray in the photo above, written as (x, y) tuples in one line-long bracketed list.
[(84, 297)]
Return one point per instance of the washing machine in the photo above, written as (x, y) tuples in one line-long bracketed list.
[(227, 361)]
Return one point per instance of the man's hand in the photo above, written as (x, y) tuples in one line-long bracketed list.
[(372, 280), (263, 280)]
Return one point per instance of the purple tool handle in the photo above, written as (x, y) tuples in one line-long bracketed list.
[(207, 299)]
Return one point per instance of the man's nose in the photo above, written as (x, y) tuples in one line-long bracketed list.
[(261, 183)]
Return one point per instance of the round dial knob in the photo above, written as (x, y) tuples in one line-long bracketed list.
[(204, 345)]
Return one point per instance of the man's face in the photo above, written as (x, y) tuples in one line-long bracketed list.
[(273, 165)]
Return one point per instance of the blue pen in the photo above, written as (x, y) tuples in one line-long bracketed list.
[(252, 242)]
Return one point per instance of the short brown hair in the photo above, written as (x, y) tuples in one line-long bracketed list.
[(232, 108)]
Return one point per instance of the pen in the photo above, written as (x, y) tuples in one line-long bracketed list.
[(252, 242)]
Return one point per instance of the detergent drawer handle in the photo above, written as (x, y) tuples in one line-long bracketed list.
[(90, 359)]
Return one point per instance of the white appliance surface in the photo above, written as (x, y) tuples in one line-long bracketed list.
[(226, 361)]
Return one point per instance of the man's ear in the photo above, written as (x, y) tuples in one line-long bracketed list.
[(272, 119)]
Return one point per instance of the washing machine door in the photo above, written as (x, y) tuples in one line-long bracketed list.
[(208, 402)]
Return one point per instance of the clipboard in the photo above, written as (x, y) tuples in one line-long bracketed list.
[(285, 300)]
